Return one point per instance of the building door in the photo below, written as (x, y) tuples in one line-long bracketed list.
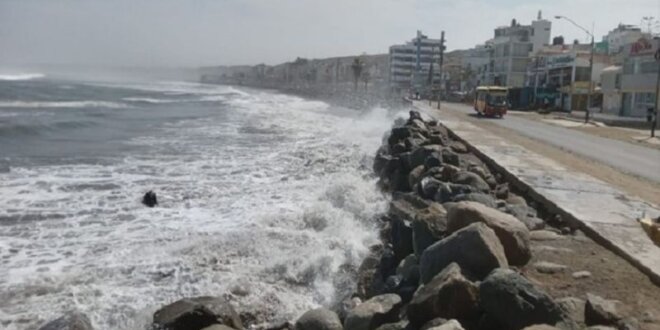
[(626, 108)]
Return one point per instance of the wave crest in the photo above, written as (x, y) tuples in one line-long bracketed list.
[(21, 76)]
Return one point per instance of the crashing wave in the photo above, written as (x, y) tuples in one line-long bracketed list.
[(61, 104), (21, 76)]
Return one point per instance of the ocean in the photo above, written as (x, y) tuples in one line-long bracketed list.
[(264, 198)]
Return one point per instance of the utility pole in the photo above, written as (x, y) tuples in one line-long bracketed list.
[(431, 81), (591, 62), (591, 73), (657, 92), (442, 57)]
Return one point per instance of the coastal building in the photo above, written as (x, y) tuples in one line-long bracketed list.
[(621, 36), (512, 47), (610, 81), (639, 77), (560, 74), (476, 66), (410, 63)]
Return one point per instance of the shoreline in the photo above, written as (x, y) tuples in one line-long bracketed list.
[(433, 269)]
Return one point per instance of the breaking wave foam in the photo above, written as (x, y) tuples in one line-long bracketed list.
[(21, 76), (272, 206), (61, 104)]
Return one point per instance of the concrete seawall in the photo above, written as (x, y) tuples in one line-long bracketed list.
[(604, 213)]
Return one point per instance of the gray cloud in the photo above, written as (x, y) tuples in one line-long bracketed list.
[(204, 32)]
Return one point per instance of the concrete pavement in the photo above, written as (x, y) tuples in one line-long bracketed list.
[(603, 212), (629, 158)]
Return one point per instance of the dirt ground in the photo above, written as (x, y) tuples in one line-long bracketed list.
[(635, 186), (611, 277)]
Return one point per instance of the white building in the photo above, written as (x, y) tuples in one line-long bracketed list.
[(611, 89), (639, 77), (512, 47), (410, 63), (619, 37), (476, 63)]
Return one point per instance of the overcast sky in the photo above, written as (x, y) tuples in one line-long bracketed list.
[(209, 32)]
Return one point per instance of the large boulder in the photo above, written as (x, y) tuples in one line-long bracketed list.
[(69, 321), (415, 175), (450, 157), (600, 311), (401, 325), (419, 155), (449, 325), (448, 295), (319, 319), (447, 192), (398, 134), (572, 307), (471, 179), (428, 187), (515, 302), (220, 327), (374, 312), (478, 197), (429, 226), (196, 314), (512, 233), (475, 248)]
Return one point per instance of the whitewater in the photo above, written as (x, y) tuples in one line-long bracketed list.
[(265, 199)]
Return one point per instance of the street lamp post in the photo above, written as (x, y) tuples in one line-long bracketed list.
[(591, 64)]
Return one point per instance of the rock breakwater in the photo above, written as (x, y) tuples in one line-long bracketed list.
[(453, 243)]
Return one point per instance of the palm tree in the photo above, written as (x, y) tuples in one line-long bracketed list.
[(357, 67), (365, 77)]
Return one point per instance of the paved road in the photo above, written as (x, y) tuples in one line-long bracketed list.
[(629, 158)]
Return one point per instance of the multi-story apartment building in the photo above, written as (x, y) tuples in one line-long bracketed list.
[(512, 47), (410, 63), (639, 77), (620, 36)]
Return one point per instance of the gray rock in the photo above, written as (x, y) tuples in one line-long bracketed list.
[(573, 307), (481, 198), (544, 235), (448, 295), (69, 321), (319, 319), (218, 327), (433, 323), (541, 327), (516, 200), (374, 312), (429, 226), (471, 179), (526, 215), (533, 223), (458, 147), (545, 267), (415, 175), (515, 303), (449, 157), (419, 155), (401, 325), (475, 248), (600, 311), (408, 269), (428, 187), (512, 233), (450, 325), (581, 274), (197, 313)]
